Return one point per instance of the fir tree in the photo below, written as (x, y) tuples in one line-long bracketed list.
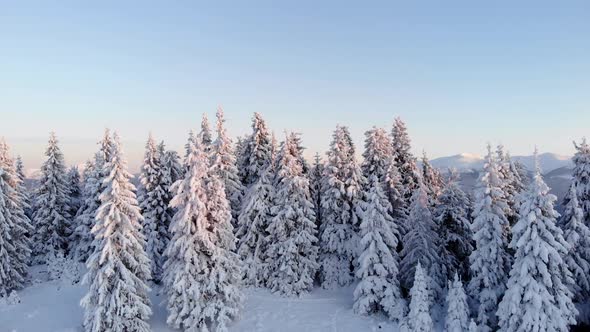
[(201, 272), (404, 160), (24, 192), (315, 180), (52, 217), (422, 244), (257, 152), (454, 228), (119, 268), (154, 201), (377, 155), (378, 289), (577, 236), (399, 212), (537, 297), (171, 167), (419, 319), (252, 232), (74, 192), (457, 307), (489, 260), (82, 238), (224, 162), (292, 242), (432, 179), (581, 176), (338, 232), (507, 178), (205, 134)]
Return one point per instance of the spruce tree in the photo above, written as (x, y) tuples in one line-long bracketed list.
[(489, 260), (378, 289), (581, 177), (171, 166), (292, 242), (224, 163), (119, 268), (537, 297), (201, 273), (399, 212), (419, 319), (82, 238), (457, 308), (24, 192), (377, 155), (422, 244), (404, 159), (454, 228), (338, 231), (315, 180), (257, 152), (52, 216), (432, 179), (205, 134), (153, 202), (74, 193), (252, 231), (577, 235), (508, 180)]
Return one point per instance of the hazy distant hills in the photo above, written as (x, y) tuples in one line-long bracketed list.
[(467, 161)]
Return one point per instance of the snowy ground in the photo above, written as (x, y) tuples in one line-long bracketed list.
[(53, 306)]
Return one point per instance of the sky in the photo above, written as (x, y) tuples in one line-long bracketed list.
[(459, 73)]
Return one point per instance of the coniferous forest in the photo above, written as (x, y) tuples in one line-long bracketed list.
[(203, 225)]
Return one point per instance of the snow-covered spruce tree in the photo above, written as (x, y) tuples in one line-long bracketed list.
[(581, 177), (119, 268), (377, 155), (224, 162), (457, 308), (205, 133), (252, 232), (24, 192), (51, 218), (74, 193), (422, 244), (223, 289), (404, 160), (9, 276), (153, 202), (399, 212), (508, 182), (489, 260), (577, 235), (200, 273), (190, 140), (292, 243), (171, 166), (537, 296), (378, 289), (22, 229), (338, 237), (82, 238), (315, 180), (432, 179), (454, 228), (418, 319), (257, 152)]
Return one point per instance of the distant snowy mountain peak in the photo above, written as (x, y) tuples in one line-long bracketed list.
[(470, 161)]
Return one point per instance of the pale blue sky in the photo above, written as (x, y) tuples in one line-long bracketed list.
[(460, 73)]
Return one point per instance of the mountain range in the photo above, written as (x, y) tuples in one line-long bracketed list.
[(467, 161)]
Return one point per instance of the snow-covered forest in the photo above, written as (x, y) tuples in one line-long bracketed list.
[(246, 234)]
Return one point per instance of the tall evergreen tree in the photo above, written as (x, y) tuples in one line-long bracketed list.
[(257, 152), (315, 180), (338, 236), (119, 268), (171, 166), (153, 202), (454, 228), (377, 155), (508, 185), (489, 260), (224, 163), (399, 212), (205, 134), (378, 289), (419, 319), (24, 192), (577, 235), (457, 307), (537, 297), (9, 275), (404, 159), (581, 177), (422, 245), (201, 272), (74, 192), (292, 249), (82, 238), (52, 217), (432, 179)]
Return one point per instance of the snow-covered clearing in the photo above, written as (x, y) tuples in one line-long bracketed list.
[(53, 306)]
